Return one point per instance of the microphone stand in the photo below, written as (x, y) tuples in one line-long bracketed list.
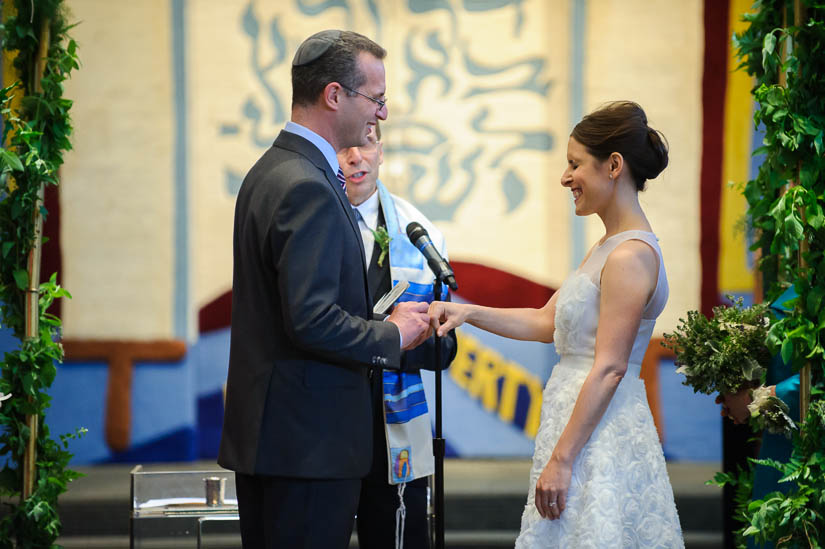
[(438, 441)]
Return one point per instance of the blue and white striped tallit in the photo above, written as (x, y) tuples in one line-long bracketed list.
[(409, 434)]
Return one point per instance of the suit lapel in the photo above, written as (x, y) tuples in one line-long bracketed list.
[(297, 144)]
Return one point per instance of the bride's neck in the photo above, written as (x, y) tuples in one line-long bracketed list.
[(624, 214)]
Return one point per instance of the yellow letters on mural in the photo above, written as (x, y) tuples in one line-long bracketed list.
[(494, 381)]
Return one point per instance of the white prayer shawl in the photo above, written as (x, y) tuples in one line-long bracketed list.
[(406, 419)]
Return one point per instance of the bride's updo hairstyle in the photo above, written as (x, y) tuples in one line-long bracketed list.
[(621, 127)]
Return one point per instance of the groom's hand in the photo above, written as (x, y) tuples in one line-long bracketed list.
[(413, 323)]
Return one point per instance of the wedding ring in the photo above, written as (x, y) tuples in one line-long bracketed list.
[(553, 504)]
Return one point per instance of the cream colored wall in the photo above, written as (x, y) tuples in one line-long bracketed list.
[(116, 195), (118, 232), (218, 80), (651, 52), (526, 241)]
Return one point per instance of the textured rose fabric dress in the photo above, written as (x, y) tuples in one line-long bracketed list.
[(620, 495)]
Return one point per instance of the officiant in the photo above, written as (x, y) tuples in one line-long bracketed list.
[(393, 503)]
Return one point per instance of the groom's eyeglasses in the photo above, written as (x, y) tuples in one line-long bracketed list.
[(380, 102)]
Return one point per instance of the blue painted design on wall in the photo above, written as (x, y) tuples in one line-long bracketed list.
[(229, 129), (514, 190), (692, 425), (535, 140), (316, 8), (210, 356), (423, 140), (578, 246), (253, 113), (421, 70), (531, 82), (435, 207), (252, 28), (180, 245), (757, 138), (79, 400), (488, 5), (193, 388), (177, 408), (424, 6), (7, 340), (437, 165), (163, 398), (210, 422), (233, 181), (179, 445)]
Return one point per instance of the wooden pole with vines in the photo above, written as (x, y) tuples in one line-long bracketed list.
[(33, 290), (805, 372), (40, 56)]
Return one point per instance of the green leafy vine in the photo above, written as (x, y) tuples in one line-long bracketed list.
[(36, 130), (785, 209)]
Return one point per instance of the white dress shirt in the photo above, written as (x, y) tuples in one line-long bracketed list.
[(321, 143), (368, 219)]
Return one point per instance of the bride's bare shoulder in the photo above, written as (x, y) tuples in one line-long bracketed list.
[(634, 264)]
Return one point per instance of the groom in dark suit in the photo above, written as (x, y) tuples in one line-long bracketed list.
[(297, 424)]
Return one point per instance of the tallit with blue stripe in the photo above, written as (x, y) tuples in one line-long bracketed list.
[(406, 417)]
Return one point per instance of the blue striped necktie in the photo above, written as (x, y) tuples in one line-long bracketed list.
[(342, 180)]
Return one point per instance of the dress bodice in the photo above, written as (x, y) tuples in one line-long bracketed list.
[(578, 305)]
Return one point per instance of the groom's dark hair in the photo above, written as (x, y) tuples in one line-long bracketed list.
[(329, 56)]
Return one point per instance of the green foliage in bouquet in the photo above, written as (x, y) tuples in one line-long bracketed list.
[(724, 353)]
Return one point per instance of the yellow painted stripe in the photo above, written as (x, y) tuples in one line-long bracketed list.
[(10, 75), (734, 275)]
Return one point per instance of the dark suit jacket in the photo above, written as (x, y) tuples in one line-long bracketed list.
[(303, 339)]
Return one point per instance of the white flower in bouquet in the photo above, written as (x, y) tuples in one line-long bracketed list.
[(770, 412), (760, 397)]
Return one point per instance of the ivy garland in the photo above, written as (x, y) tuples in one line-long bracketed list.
[(36, 130), (785, 207)]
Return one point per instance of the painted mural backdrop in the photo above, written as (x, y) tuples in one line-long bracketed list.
[(476, 131), (477, 126), (178, 98)]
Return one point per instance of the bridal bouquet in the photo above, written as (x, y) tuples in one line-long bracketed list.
[(727, 353)]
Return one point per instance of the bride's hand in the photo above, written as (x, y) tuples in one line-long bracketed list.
[(551, 488), (445, 316)]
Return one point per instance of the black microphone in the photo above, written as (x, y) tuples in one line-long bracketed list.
[(421, 239)]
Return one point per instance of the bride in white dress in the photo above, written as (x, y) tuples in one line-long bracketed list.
[(598, 477)]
